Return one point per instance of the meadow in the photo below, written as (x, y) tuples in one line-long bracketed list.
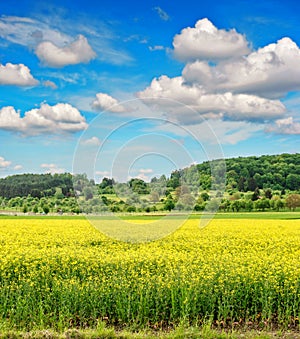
[(62, 273)]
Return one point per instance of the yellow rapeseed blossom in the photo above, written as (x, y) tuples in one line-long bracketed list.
[(64, 272)]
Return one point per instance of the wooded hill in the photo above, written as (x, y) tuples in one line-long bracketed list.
[(275, 172), (36, 185)]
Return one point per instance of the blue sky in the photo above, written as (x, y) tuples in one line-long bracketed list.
[(137, 88)]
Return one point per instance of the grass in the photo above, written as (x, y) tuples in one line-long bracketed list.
[(181, 332), (286, 215)]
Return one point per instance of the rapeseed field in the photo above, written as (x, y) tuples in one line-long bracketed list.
[(62, 273)]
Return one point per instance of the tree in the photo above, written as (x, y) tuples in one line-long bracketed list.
[(293, 182), (169, 204), (249, 205), (188, 201), (279, 204), (242, 184), (205, 196), (154, 196), (46, 209), (213, 205), (138, 186), (181, 190), (131, 209), (174, 180), (293, 201), (235, 205), (106, 182), (235, 196), (205, 181), (252, 184), (88, 193), (262, 204), (255, 195), (268, 193)]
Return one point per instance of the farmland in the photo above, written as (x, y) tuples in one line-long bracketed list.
[(63, 273)]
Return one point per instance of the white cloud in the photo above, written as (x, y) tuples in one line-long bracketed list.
[(142, 176), (240, 86), (142, 173), (18, 167), (52, 168), (162, 14), (74, 53), (16, 74), (213, 131), (206, 42), (146, 170), (231, 132), (60, 32), (29, 32), (10, 119), (72, 78), (104, 173), (199, 72), (156, 48), (57, 119), (93, 141), (4, 163), (285, 126), (105, 102), (49, 83), (217, 105), (272, 71)]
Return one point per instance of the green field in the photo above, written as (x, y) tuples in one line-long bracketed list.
[(157, 216)]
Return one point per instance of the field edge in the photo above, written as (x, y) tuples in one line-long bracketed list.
[(205, 332)]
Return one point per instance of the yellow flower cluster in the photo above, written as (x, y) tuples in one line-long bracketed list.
[(64, 272)]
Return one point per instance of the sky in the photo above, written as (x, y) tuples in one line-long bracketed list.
[(140, 88)]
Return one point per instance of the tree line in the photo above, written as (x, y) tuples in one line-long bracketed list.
[(269, 182)]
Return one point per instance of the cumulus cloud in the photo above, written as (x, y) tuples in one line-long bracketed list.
[(4, 163), (285, 126), (224, 82), (93, 141), (105, 102), (209, 105), (74, 53), (57, 119), (271, 71), (206, 42), (16, 74), (52, 168)]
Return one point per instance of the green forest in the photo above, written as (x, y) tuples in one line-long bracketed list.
[(269, 182)]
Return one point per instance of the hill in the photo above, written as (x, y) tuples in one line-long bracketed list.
[(236, 184), (276, 172)]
